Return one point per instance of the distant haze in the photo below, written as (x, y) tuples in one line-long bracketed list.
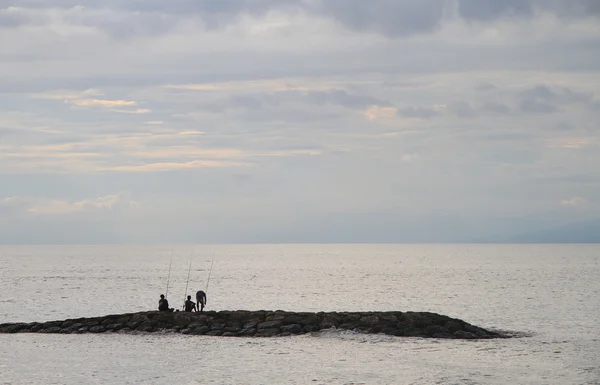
[(258, 121)]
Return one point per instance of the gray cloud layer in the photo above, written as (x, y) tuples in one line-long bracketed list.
[(296, 120)]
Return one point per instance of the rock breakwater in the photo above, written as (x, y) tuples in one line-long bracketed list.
[(262, 323)]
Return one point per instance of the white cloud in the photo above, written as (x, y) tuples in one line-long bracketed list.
[(574, 202), (40, 206)]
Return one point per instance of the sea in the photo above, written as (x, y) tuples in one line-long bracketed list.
[(547, 296)]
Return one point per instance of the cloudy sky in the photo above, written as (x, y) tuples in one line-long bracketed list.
[(297, 120)]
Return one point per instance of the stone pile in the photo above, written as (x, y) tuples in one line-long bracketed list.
[(261, 323)]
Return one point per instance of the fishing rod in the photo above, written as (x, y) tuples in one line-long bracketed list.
[(209, 272), (169, 276), (188, 280)]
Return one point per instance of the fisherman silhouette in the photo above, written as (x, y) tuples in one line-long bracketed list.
[(163, 304), (200, 300), (189, 305)]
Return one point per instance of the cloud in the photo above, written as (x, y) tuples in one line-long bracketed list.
[(497, 108), (389, 17), (537, 107), (462, 109), (40, 206), (486, 10), (486, 87), (570, 142), (542, 99), (377, 113), (101, 103), (421, 112), (574, 202), (135, 112), (68, 95), (170, 166), (343, 98), (544, 93)]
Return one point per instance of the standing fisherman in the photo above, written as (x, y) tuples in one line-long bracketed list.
[(200, 300), (201, 295)]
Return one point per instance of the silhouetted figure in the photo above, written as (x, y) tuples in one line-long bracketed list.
[(189, 305), (200, 300), (163, 304)]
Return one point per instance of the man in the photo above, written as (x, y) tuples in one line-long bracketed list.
[(163, 304), (200, 300), (189, 305)]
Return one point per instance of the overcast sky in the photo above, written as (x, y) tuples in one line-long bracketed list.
[(296, 120)]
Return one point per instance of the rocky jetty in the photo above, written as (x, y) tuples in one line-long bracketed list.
[(243, 323)]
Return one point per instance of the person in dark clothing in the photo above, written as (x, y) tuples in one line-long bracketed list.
[(200, 300), (163, 304), (189, 305)]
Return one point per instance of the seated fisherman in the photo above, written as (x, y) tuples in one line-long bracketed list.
[(200, 300), (163, 304), (189, 305)]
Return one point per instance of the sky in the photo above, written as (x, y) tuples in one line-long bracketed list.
[(277, 121)]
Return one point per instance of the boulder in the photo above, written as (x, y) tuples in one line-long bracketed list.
[(52, 329), (293, 328), (268, 332), (464, 335), (269, 324), (435, 329)]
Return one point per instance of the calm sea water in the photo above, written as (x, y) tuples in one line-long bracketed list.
[(549, 294)]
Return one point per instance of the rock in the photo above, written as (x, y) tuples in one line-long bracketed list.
[(275, 316), (453, 326), (369, 320), (443, 335), (411, 332), (252, 323), (390, 319), (464, 335), (15, 328), (233, 329), (269, 324), (292, 319), (217, 326), (36, 328), (330, 321), (422, 321), (109, 321), (293, 328), (249, 332), (239, 315), (114, 327), (144, 327), (196, 331), (133, 324), (435, 329), (348, 325), (389, 331), (308, 319), (269, 332)]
